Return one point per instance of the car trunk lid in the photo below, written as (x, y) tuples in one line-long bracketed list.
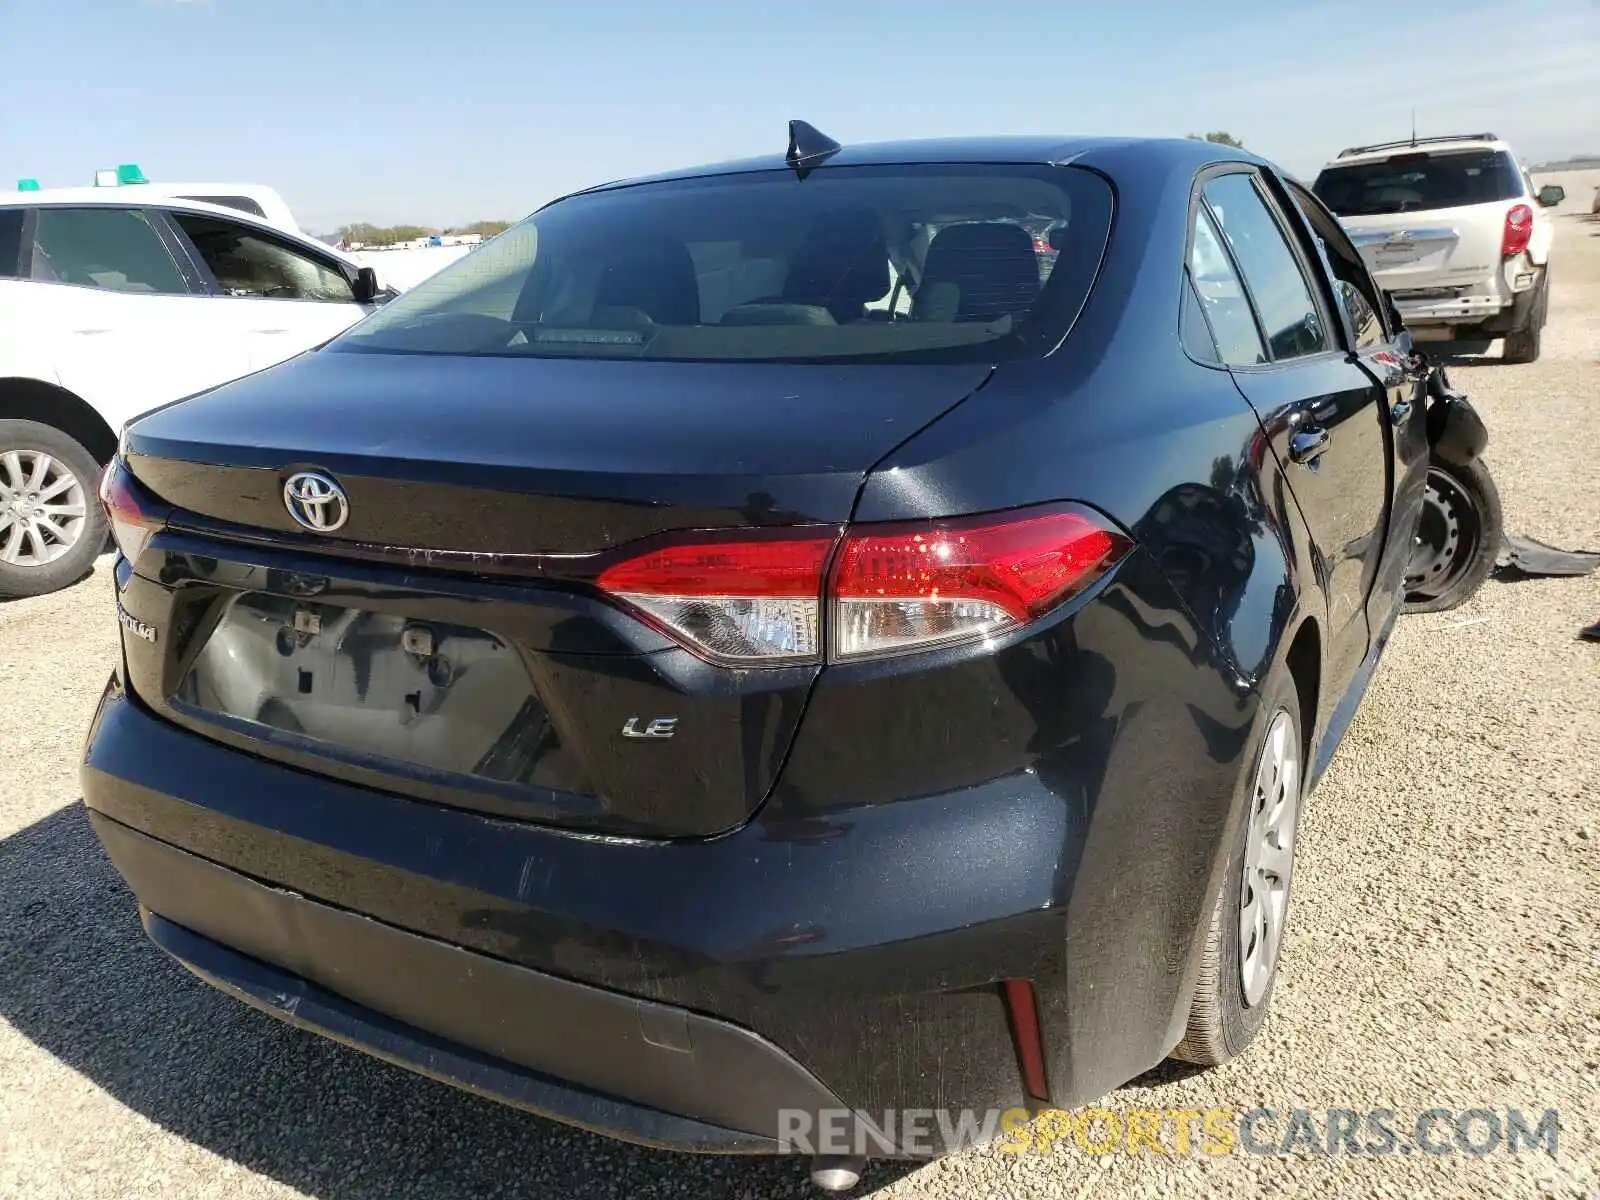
[(487, 456)]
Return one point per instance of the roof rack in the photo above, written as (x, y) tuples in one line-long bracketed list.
[(1413, 142)]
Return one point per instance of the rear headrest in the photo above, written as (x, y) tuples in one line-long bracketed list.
[(656, 276), (842, 265), (988, 269)]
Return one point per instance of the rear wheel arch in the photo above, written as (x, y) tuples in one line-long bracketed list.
[(23, 399)]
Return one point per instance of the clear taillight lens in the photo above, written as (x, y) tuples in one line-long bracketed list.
[(745, 600), (1519, 231), (897, 588), (757, 598), (134, 519)]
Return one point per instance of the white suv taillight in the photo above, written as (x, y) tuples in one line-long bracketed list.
[(757, 599), (1519, 231)]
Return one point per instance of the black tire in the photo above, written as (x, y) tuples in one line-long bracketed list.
[(1458, 537), (36, 579), (1523, 345), (1222, 1021)]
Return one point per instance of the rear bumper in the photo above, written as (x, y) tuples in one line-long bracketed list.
[(834, 966), (1485, 315), (459, 1017), (1459, 310)]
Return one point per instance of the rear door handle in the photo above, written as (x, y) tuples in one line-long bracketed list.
[(1307, 445)]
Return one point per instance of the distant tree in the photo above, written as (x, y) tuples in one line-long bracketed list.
[(381, 235), (1220, 137), (407, 233), (487, 228), (358, 231)]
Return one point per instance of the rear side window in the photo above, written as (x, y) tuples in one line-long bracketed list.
[(248, 263), (11, 242), (1416, 181), (1277, 284), (1226, 307), (932, 263), (240, 203), (111, 248), (1196, 334)]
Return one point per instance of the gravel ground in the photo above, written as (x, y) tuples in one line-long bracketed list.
[(1443, 950)]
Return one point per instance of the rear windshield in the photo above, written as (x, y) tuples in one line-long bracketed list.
[(1415, 181), (934, 263)]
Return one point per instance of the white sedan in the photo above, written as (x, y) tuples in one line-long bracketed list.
[(116, 301)]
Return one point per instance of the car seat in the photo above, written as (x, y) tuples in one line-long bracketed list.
[(979, 271)]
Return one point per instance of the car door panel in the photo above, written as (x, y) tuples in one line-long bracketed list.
[(1327, 409), (129, 354), (1321, 411), (1383, 351), (276, 330)]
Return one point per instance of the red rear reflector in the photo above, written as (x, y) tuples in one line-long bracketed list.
[(1519, 231), (1022, 1007), (911, 586)]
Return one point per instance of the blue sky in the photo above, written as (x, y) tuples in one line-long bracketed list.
[(392, 110)]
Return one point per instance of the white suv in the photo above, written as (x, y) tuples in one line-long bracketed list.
[(116, 301), (1453, 230)]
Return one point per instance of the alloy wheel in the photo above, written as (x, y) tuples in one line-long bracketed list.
[(1268, 857), (43, 508)]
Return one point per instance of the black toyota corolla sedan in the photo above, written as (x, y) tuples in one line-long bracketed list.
[(847, 631)]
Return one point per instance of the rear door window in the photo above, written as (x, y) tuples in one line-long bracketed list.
[(246, 262), (945, 262), (1351, 282), (1283, 295), (115, 249), (11, 241), (1419, 180)]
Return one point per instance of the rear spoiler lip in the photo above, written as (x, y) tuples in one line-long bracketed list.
[(1416, 143)]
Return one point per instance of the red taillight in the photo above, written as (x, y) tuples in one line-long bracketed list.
[(1519, 230), (906, 587), (751, 599), (1022, 1008), (757, 598), (132, 523)]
